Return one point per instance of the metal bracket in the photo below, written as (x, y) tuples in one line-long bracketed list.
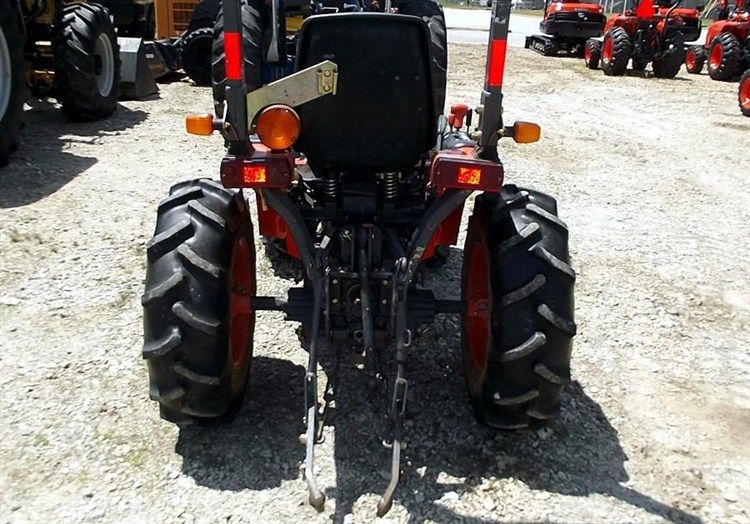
[(294, 90)]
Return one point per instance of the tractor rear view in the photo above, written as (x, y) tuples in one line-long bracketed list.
[(353, 165), (653, 34), (727, 46), (567, 24)]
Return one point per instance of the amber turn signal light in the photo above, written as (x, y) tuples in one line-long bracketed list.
[(200, 124), (526, 132), (278, 127)]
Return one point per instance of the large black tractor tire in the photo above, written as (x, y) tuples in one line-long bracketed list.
[(87, 62), (724, 57), (695, 59), (197, 316), (517, 325), (13, 66), (196, 55), (616, 51), (669, 63), (432, 14), (743, 95), (592, 53), (253, 20)]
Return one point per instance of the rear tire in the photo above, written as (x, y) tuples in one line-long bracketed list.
[(668, 65), (13, 81), (87, 62), (724, 57), (743, 95), (196, 55), (616, 51), (695, 59), (252, 22), (197, 349), (517, 327), (592, 54)]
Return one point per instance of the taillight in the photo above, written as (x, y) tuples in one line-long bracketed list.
[(464, 172), (278, 127), (262, 169)]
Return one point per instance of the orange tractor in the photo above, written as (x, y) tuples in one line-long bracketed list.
[(567, 24), (653, 33), (727, 46)]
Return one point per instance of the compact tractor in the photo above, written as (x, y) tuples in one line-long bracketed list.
[(68, 49), (653, 34), (354, 166), (567, 24), (727, 45)]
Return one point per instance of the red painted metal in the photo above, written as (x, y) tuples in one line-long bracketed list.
[(271, 225), (241, 290), (232, 51), (478, 302), (496, 70), (245, 171)]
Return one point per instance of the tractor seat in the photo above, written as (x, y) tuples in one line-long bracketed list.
[(383, 115)]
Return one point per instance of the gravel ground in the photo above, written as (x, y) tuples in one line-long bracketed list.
[(651, 176)]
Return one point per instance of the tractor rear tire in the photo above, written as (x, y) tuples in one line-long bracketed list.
[(196, 55), (724, 57), (668, 65), (197, 316), (695, 59), (743, 95), (592, 54), (87, 62), (616, 51), (13, 78), (517, 325), (253, 19)]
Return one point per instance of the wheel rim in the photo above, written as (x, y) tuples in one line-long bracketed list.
[(745, 94), (104, 57), (607, 51), (241, 315), (690, 59), (587, 54), (6, 80), (478, 305), (717, 53)]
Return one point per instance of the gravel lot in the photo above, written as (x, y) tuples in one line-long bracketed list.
[(651, 176)]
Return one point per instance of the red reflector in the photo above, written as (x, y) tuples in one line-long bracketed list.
[(232, 45), (497, 63), (254, 174), (469, 175)]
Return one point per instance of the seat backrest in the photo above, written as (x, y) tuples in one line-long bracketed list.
[(383, 115)]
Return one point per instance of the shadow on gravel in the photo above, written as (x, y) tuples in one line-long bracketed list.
[(448, 453), (260, 448), (41, 165)]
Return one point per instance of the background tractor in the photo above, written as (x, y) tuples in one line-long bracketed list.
[(653, 34), (66, 49), (353, 163), (727, 45), (567, 24)]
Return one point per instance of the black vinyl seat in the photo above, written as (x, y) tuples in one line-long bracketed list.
[(383, 115)]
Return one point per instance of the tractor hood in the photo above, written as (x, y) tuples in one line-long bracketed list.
[(568, 7)]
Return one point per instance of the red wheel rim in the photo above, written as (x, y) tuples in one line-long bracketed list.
[(478, 304), (745, 93), (587, 54), (690, 60), (717, 53), (607, 51), (241, 314)]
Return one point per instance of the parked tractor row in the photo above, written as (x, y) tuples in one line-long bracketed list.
[(653, 33)]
